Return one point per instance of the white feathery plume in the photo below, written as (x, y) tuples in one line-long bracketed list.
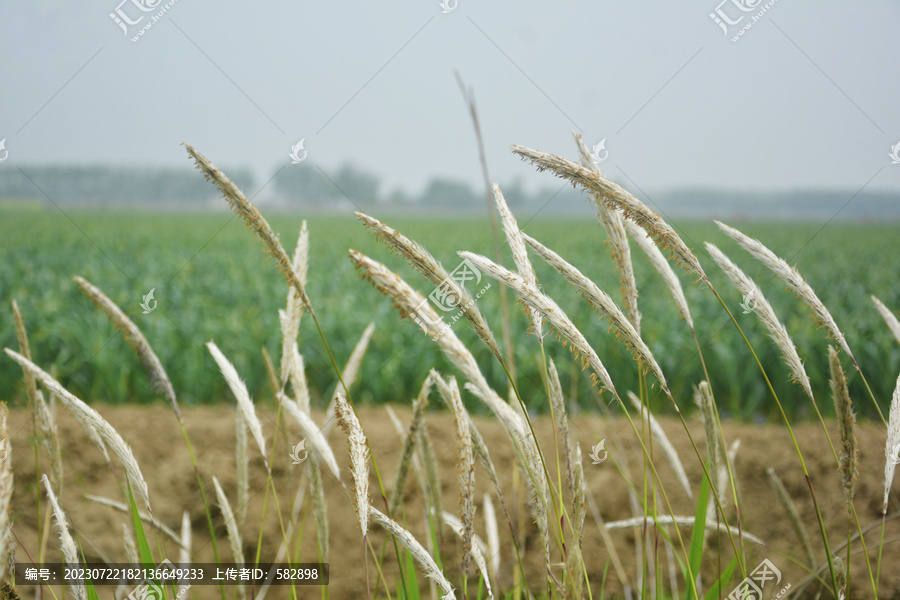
[(616, 197), (548, 307), (67, 544), (892, 446), (519, 252), (662, 266), (889, 318), (90, 419), (318, 444), (421, 556), (602, 302), (359, 459), (616, 240), (792, 278), (231, 526), (668, 449), (766, 315), (476, 550), (680, 521), (239, 389), (493, 535)]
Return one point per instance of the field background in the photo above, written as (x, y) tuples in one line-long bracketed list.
[(212, 283)]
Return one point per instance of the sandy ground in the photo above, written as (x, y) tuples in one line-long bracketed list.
[(158, 445)]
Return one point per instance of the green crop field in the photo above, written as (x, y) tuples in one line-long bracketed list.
[(211, 282)]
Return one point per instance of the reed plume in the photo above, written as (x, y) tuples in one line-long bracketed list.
[(616, 241), (792, 278), (244, 403), (548, 307), (663, 267), (159, 380), (889, 318), (846, 419), (315, 438), (6, 490), (615, 197), (421, 556), (67, 544), (465, 465), (422, 261), (408, 446), (519, 253), (253, 219), (663, 440), (892, 445), (359, 459), (600, 300), (766, 315), (92, 422)]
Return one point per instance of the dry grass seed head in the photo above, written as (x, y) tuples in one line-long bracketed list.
[(792, 278), (766, 315), (846, 419), (600, 300), (359, 458), (93, 423), (159, 380), (616, 241), (616, 197), (892, 445), (423, 262)]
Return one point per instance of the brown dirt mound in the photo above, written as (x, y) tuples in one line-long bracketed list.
[(157, 443)]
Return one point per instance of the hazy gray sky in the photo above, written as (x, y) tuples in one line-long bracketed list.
[(807, 97)]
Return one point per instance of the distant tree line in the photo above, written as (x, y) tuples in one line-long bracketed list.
[(305, 186)]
